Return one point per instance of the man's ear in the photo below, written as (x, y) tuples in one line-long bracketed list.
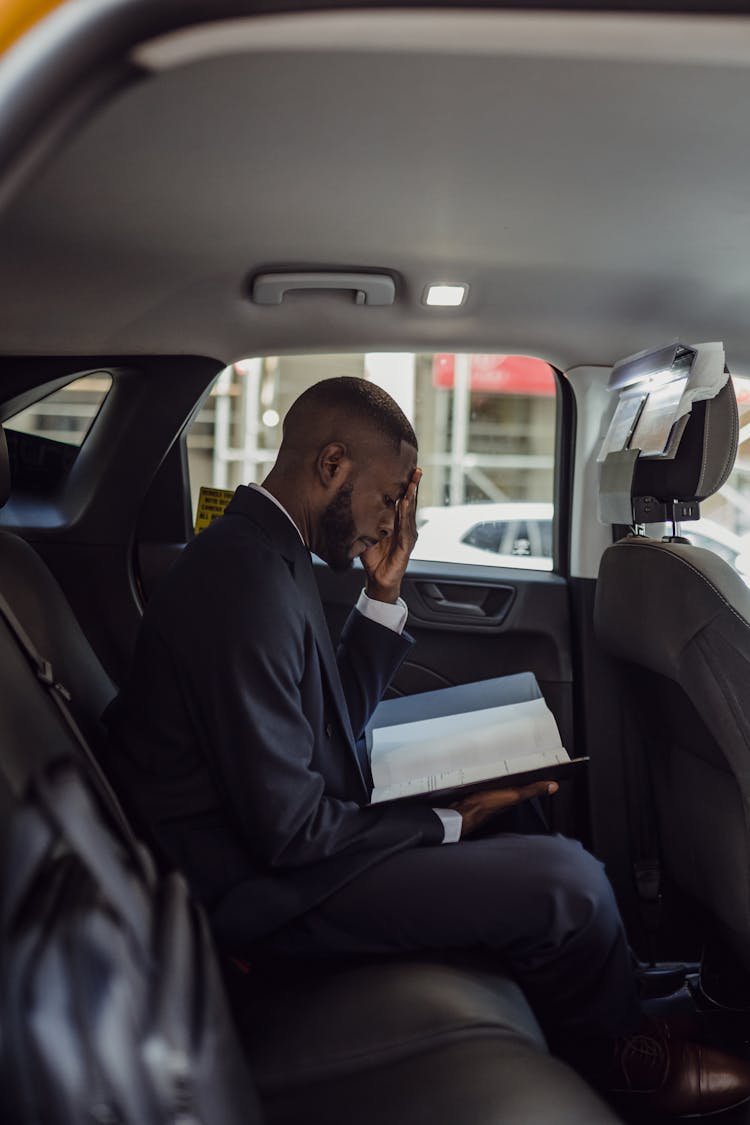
[(334, 464)]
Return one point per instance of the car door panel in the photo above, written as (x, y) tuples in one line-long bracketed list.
[(522, 624)]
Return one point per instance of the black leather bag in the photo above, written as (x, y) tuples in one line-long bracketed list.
[(111, 1005)]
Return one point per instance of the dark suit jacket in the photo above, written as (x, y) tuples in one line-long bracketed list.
[(234, 736)]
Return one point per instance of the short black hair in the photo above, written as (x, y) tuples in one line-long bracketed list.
[(362, 401)]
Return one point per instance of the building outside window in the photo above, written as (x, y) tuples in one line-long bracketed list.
[(486, 429)]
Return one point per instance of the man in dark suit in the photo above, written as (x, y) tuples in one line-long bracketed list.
[(236, 740)]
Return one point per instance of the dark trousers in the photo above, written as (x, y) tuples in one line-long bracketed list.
[(540, 904)]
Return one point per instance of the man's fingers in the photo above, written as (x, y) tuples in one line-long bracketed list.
[(405, 525), (386, 561), (522, 793), (537, 789), (479, 807), (408, 501), (493, 800), (506, 798)]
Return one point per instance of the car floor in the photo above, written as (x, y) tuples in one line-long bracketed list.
[(740, 1115)]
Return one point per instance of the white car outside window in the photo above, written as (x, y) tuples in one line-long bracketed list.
[(520, 535), (494, 534)]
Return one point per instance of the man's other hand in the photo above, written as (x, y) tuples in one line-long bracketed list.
[(385, 562), (479, 807)]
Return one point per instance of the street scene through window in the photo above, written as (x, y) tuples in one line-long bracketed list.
[(486, 429), (486, 426)]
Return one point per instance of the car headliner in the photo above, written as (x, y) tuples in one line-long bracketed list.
[(588, 176)]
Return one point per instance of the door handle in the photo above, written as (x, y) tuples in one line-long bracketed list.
[(437, 600), (475, 603)]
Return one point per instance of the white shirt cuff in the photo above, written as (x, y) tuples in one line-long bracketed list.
[(452, 824), (393, 616)]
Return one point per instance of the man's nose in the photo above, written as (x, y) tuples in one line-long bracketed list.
[(387, 522)]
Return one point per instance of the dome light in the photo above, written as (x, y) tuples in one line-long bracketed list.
[(445, 296)]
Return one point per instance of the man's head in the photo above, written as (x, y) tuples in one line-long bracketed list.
[(346, 458)]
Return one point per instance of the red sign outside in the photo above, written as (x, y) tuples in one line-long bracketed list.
[(498, 374), (742, 390)]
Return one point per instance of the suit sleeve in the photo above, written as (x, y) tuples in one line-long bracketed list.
[(368, 657), (246, 681)]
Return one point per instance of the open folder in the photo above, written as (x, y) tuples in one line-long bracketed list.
[(492, 747)]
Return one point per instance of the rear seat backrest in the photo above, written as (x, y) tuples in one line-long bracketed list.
[(31, 727), (489, 1057), (43, 610), (32, 730)]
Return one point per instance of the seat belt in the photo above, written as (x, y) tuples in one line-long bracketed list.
[(645, 852), (44, 672)]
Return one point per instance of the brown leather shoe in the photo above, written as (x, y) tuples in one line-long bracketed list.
[(669, 1075), (680, 1012)]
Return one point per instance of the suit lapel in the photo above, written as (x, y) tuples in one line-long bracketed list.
[(305, 576), (276, 524)]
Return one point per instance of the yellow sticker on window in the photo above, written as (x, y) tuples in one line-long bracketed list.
[(211, 505)]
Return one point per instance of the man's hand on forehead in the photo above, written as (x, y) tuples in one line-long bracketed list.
[(413, 484), (406, 514), (386, 562)]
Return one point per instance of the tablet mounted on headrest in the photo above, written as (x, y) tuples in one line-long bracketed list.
[(673, 437)]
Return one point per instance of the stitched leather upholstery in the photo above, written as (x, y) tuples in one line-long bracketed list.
[(403, 1043), (677, 619)]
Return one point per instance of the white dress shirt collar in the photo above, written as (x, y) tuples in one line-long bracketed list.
[(391, 616), (280, 506)]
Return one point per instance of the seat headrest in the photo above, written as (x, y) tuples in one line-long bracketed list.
[(704, 457), (4, 469)]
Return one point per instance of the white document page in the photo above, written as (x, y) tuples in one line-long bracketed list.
[(443, 753)]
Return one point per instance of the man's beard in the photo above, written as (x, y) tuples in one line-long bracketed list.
[(337, 530)]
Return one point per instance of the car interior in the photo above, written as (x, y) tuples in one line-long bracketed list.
[(183, 186)]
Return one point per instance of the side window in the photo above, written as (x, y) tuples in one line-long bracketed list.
[(486, 430), (44, 437), (711, 543)]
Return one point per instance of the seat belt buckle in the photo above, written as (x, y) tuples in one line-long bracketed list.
[(46, 674), (648, 884), (648, 879)]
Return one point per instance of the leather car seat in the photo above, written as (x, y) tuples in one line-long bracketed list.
[(41, 606), (677, 620), (400, 1042), (31, 730)]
